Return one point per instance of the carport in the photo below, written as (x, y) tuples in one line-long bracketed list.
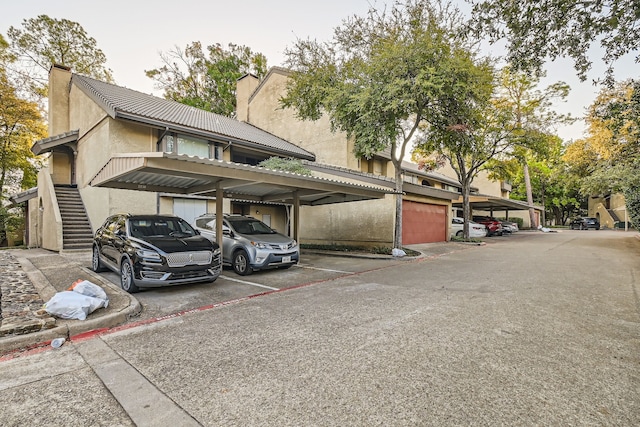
[(188, 175), (492, 203)]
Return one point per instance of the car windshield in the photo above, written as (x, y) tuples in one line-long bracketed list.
[(250, 226), (160, 227)]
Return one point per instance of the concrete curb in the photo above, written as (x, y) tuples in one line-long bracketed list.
[(68, 328)]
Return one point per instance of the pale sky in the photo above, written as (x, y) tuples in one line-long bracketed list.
[(132, 34)]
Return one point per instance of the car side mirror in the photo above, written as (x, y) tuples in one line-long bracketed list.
[(227, 232)]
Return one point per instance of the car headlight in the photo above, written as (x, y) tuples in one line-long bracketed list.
[(216, 252), (148, 255), (260, 245), (294, 243)]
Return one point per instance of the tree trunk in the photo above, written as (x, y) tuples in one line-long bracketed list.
[(397, 233), (527, 182), (466, 207)]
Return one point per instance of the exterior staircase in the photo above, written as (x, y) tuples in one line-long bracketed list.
[(76, 229)]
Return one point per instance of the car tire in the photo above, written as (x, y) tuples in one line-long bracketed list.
[(459, 233), (240, 263), (96, 264), (127, 281)]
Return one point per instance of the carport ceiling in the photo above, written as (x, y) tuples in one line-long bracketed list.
[(181, 174)]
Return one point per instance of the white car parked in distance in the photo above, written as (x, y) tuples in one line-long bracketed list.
[(475, 229)]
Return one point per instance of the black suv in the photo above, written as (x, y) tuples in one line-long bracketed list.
[(153, 251), (585, 224)]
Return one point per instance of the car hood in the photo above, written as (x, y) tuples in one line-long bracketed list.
[(170, 244), (276, 238)]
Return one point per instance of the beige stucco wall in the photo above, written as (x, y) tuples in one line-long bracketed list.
[(597, 208), (58, 104), (369, 223), (49, 229), (315, 136), (33, 239)]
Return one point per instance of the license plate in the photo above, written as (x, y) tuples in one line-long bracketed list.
[(286, 259)]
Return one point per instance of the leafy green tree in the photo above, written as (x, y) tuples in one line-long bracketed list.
[(20, 125), (539, 30), (552, 183), (288, 165), (470, 132), (532, 117), (608, 158), (44, 41), (381, 79), (206, 80)]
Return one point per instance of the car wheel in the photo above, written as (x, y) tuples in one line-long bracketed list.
[(240, 263), (96, 264), (459, 233), (127, 282)]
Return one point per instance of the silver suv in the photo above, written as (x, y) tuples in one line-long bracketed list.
[(249, 244)]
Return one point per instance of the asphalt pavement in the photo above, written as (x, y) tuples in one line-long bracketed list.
[(532, 329)]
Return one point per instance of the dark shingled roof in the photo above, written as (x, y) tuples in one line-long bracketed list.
[(123, 103)]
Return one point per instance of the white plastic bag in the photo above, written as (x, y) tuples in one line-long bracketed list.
[(73, 305), (89, 289), (398, 252)]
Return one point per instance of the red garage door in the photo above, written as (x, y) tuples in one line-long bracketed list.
[(423, 223)]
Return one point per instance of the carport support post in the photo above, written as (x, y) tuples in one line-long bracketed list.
[(296, 216), (219, 203)]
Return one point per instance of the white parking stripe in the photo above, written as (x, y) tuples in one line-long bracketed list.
[(249, 283), (323, 269)]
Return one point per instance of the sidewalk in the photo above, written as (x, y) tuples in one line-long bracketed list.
[(30, 277)]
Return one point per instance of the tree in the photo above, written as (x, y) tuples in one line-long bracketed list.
[(208, 82), (20, 125), (608, 159), (536, 30), (469, 132), (553, 184), (532, 118), (381, 77), (44, 41)]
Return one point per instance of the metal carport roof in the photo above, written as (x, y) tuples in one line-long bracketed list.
[(181, 174), (485, 202)]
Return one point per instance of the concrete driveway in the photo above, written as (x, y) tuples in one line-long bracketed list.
[(531, 329), (229, 286)]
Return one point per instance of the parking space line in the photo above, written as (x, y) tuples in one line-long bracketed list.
[(249, 283), (323, 269)]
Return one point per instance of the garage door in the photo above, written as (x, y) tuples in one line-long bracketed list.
[(189, 209), (423, 223)]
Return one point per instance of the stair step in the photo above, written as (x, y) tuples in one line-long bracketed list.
[(76, 229)]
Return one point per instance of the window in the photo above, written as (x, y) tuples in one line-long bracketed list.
[(182, 144), (193, 147)]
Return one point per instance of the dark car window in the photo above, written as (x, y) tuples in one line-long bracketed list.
[(158, 227), (250, 226)]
